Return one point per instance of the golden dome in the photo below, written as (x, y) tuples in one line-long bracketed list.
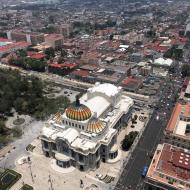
[(95, 126), (78, 112)]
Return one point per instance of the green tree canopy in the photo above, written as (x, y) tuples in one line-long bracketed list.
[(128, 140), (185, 70)]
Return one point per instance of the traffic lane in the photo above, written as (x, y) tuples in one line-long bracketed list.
[(140, 154), (131, 175), (150, 134), (129, 178), (151, 137)]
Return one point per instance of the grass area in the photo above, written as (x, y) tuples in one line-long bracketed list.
[(8, 178), (27, 187)]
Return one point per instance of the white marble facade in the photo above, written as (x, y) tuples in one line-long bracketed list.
[(86, 133)]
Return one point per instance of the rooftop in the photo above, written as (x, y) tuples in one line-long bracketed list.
[(106, 88), (81, 73), (179, 122), (171, 166), (131, 83), (163, 62), (64, 65), (53, 36), (13, 46), (35, 55)]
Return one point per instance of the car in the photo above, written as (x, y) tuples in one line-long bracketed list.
[(99, 176)]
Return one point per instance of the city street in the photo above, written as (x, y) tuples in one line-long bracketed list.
[(131, 176)]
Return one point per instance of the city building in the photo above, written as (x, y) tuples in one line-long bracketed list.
[(31, 37), (169, 169), (160, 66), (86, 133), (8, 46), (131, 84), (36, 55), (61, 69), (178, 128), (145, 68), (65, 29), (185, 92), (187, 30), (54, 40)]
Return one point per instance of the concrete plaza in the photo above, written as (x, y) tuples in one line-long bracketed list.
[(42, 173)]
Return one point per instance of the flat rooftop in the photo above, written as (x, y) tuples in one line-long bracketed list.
[(179, 123), (170, 166)]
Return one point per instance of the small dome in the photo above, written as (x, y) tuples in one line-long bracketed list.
[(95, 126), (79, 113)]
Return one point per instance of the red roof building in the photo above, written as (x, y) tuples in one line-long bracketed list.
[(131, 84), (81, 73), (10, 47), (35, 55), (177, 131), (61, 69), (170, 168), (64, 65), (54, 40)]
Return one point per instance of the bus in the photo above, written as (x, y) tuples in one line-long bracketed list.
[(144, 172)]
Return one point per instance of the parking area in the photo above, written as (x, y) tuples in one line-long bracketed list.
[(55, 90), (71, 94)]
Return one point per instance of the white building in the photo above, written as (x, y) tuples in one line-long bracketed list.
[(86, 133), (160, 66)]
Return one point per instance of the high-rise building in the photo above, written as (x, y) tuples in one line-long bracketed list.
[(54, 40), (31, 37)]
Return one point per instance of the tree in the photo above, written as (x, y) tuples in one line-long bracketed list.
[(185, 70), (135, 117), (128, 140), (51, 19), (22, 53), (29, 64), (111, 37), (63, 53), (60, 60), (18, 103), (2, 127), (110, 23), (17, 132), (26, 95), (50, 52), (3, 35)]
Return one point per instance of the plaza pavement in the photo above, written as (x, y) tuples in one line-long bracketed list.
[(42, 174)]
